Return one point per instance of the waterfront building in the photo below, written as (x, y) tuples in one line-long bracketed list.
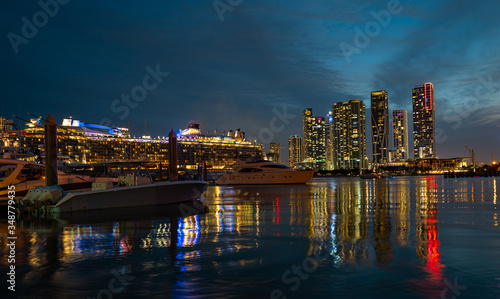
[(328, 141), (400, 135), (314, 139), (380, 127), (81, 141), (274, 152), (295, 153), (348, 134), (306, 128), (424, 121)]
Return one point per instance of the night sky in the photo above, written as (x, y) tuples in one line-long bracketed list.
[(230, 64)]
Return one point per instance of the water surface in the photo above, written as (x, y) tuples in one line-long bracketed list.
[(408, 237)]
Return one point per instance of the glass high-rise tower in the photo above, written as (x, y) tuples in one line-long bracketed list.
[(348, 135), (400, 135), (314, 138), (424, 121), (295, 154), (380, 127)]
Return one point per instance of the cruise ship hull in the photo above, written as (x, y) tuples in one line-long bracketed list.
[(265, 178)]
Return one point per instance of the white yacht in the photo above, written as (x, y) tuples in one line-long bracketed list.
[(262, 172)]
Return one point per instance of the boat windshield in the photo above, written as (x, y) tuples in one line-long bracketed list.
[(275, 166)]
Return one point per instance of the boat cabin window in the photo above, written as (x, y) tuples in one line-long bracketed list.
[(249, 170), (275, 166)]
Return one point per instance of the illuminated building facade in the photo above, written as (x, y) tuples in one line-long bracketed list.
[(400, 135), (84, 143), (306, 128), (314, 139), (274, 152), (348, 135), (328, 141), (380, 127), (424, 122), (295, 153)]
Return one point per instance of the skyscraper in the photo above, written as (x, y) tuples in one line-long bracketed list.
[(328, 141), (424, 121), (314, 138), (274, 152), (400, 135), (306, 128), (380, 127), (348, 135), (295, 153)]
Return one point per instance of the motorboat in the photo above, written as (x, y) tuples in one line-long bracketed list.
[(130, 191), (142, 195), (127, 191), (263, 172)]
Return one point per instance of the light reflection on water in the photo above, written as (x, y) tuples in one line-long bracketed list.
[(403, 236)]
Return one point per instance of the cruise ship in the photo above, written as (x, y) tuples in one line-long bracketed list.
[(88, 143)]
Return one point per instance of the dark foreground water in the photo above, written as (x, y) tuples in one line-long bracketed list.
[(408, 237)]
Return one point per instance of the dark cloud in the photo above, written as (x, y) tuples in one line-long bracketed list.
[(265, 54)]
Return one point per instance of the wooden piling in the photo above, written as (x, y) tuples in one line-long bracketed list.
[(172, 144), (161, 173), (50, 151), (205, 172)]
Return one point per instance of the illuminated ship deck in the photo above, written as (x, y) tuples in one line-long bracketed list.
[(93, 143)]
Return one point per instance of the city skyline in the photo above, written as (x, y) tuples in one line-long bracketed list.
[(188, 62)]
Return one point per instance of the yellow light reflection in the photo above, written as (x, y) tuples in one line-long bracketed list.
[(494, 191)]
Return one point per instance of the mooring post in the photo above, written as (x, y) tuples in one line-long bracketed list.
[(205, 171), (172, 144), (161, 173), (50, 151)]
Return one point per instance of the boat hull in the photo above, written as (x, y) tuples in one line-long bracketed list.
[(266, 178), (134, 196)]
